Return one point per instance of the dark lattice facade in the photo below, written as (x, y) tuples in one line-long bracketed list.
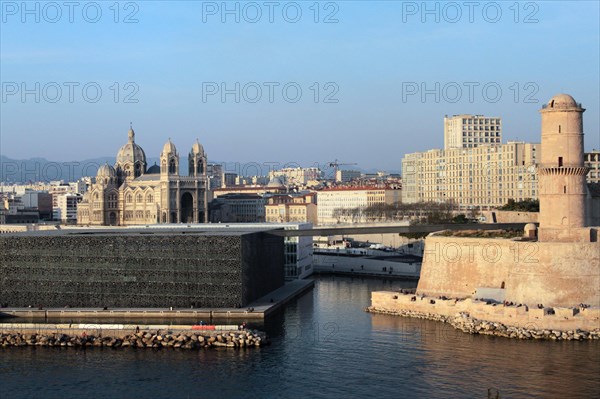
[(148, 270)]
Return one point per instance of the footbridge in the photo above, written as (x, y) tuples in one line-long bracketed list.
[(400, 229)]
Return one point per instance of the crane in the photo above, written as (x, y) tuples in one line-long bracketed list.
[(335, 165)]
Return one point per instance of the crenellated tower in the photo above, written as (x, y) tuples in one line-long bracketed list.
[(562, 174)]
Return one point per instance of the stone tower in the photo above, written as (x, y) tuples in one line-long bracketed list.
[(169, 160), (562, 174), (197, 160)]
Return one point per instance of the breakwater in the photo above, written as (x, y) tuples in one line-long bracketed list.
[(486, 317), (464, 322), (188, 337)]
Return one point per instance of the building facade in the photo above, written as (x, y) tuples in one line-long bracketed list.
[(346, 176), (484, 177), (592, 161), (332, 202), (130, 193), (66, 208), (471, 131), (238, 208), (283, 208), (297, 176)]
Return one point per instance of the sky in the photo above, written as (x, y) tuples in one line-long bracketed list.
[(286, 82)]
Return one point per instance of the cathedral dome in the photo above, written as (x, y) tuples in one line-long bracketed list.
[(562, 101), (131, 152), (154, 169), (106, 171), (276, 182), (169, 148), (197, 148)]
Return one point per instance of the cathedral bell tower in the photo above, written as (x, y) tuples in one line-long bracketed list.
[(169, 160), (197, 160)]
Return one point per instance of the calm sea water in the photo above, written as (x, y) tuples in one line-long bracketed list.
[(323, 346)]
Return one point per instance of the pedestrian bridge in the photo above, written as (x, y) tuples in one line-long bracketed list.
[(395, 228)]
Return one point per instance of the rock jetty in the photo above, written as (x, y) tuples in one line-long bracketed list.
[(182, 340), (464, 322)]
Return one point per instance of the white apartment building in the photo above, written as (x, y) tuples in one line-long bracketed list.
[(339, 198), (485, 176), (66, 207), (297, 176), (592, 161), (471, 131)]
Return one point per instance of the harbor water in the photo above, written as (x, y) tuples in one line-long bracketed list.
[(323, 345)]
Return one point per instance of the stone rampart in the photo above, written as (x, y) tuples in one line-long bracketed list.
[(531, 273)]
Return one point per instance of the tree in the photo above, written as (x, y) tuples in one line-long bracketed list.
[(527, 205)]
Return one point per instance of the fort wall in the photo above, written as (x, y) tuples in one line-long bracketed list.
[(551, 273)]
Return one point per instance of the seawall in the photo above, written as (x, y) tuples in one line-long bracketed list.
[(482, 317), (525, 272)]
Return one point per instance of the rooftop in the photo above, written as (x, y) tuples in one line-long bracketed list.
[(217, 229)]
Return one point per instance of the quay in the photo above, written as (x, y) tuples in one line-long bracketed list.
[(258, 309), (393, 266)]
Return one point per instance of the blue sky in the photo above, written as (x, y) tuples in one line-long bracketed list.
[(367, 61)]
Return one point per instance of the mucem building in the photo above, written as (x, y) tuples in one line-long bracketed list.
[(139, 268)]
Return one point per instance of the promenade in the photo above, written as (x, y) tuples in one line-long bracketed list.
[(258, 309)]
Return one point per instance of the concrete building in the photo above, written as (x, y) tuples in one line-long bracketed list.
[(298, 253), (283, 208), (131, 194), (471, 131), (346, 176), (238, 208), (592, 161), (40, 201), (297, 176), (484, 177), (229, 179), (137, 267), (13, 210), (65, 210), (214, 174), (333, 201)]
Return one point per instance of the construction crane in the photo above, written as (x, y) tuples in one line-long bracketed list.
[(336, 164)]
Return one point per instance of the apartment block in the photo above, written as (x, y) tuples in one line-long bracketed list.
[(283, 208), (592, 161), (485, 176), (471, 131), (332, 201)]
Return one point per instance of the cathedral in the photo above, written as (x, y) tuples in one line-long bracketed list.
[(132, 194)]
